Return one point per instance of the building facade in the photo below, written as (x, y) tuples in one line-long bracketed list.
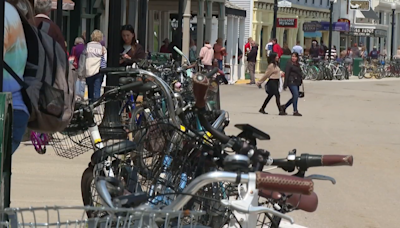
[(291, 21)]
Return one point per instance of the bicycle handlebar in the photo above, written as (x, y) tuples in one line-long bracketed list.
[(284, 183), (305, 161)]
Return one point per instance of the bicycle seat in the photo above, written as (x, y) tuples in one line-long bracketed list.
[(114, 149)]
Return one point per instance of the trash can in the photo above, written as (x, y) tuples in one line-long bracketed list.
[(356, 66), (283, 61), (6, 113)]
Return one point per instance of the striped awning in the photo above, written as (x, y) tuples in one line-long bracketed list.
[(67, 5)]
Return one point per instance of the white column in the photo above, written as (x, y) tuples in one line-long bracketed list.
[(123, 12), (229, 48), (186, 28), (209, 21), (301, 34), (241, 69), (235, 75), (221, 21)]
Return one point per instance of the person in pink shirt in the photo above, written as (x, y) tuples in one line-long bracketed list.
[(207, 55)]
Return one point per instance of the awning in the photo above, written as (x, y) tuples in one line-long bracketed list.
[(67, 5), (312, 34), (370, 14), (232, 9)]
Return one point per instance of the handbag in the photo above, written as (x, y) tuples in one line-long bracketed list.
[(302, 93)]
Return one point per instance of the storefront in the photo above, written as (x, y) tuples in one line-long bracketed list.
[(290, 20), (320, 31), (370, 36)]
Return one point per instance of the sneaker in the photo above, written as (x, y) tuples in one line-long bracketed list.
[(262, 111), (281, 113), (297, 114)]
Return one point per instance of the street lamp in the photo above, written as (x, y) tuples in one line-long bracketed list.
[(392, 41), (330, 28), (275, 16)]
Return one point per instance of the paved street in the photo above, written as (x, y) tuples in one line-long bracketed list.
[(359, 117)]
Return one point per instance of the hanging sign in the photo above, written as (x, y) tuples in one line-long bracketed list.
[(286, 22), (362, 5), (284, 3)]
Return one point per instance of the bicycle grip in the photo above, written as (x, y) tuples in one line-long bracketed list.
[(112, 69), (284, 183), (131, 86)]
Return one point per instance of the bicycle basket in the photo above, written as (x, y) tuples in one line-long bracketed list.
[(59, 217)]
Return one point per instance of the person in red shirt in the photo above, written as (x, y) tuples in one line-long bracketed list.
[(164, 48), (247, 46), (276, 47)]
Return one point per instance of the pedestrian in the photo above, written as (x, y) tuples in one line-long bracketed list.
[(251, 62), (192, 51), (207, 55), (298, 48), (276, 48), (314, 51), (164, 47), (355, 52), (76, 51), (130, 48), (293, 80), (374, 54), (43, 11), (247, 46), (273, 74), (15, 55), (268, 47), (333, 54), (90, 63), (286, 49), (219, 52)]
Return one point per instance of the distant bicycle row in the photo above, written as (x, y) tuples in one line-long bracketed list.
[(314, 69)]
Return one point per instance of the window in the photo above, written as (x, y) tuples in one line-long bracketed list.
[(380, 17), (320, 2), (313, 2)]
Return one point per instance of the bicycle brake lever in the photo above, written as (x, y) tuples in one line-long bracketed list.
[(256, 210), (321, 177)]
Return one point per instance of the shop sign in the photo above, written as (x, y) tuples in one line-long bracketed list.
[(362, 5), (336, 26), (286, 23), (363, 31), (311, 26)]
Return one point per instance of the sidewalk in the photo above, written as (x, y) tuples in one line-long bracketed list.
[(352, 78)]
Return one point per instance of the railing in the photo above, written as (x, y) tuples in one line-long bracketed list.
[(6, 116)]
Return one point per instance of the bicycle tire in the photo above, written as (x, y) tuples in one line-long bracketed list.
[(86, 184), (361, 74)]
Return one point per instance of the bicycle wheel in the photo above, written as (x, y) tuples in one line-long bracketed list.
[(340, 73), (380, 73), (88, 191), (362, 72)]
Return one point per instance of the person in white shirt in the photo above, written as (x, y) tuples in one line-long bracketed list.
[(333, 53), (298, 48), (268, 47)]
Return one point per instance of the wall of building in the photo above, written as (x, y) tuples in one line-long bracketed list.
[(248, 6)]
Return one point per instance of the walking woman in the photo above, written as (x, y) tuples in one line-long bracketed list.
[(90, 63), (273, 73), (293, 80)]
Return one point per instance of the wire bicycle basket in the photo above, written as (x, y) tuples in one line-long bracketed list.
[(59, 217)]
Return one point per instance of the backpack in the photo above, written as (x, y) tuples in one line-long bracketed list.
[(48, 84)]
